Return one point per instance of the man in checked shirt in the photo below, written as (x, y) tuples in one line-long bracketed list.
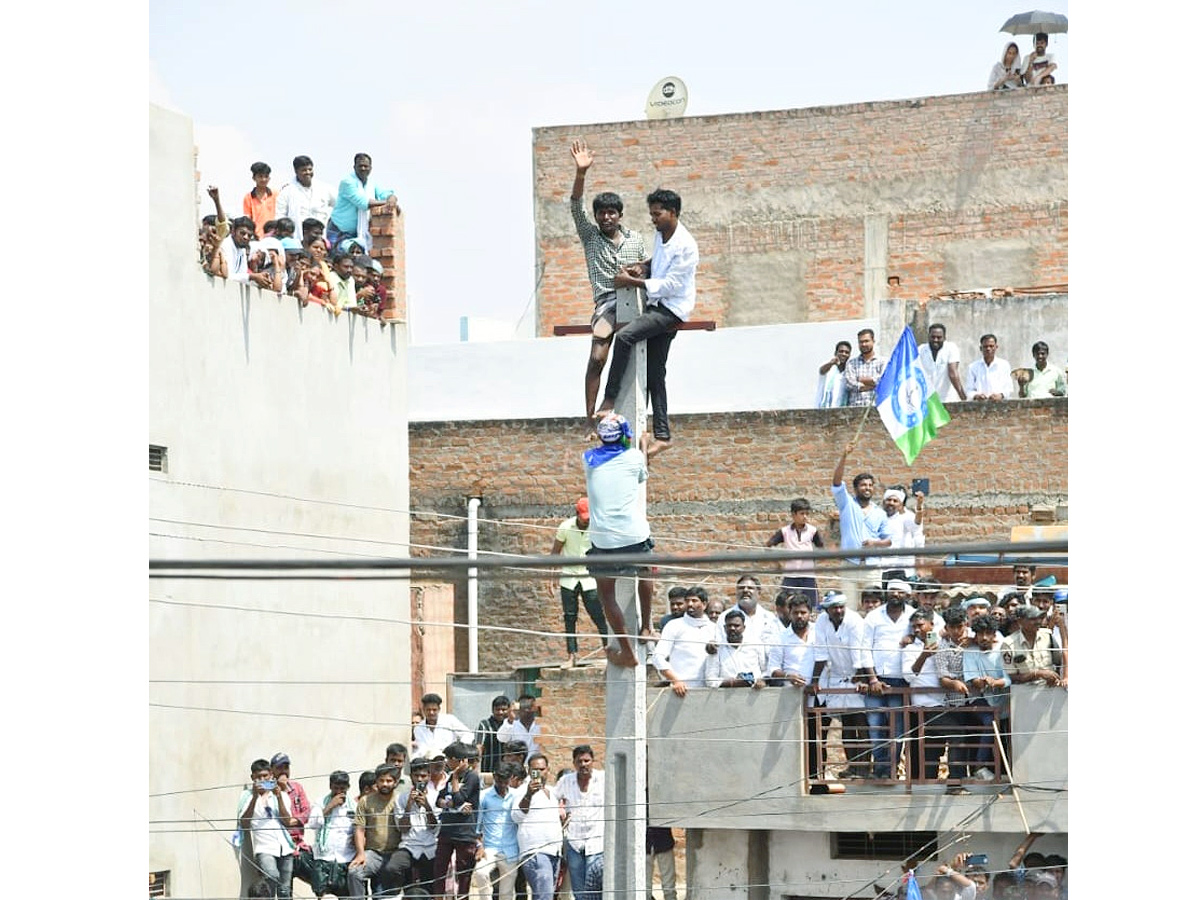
[(607, 246)]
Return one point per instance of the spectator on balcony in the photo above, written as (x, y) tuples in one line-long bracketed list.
[(713, 609), (903, 528), (735, 664), (989, 378), (311, 228), (920, 671), (304, 197), (948, 663), (417, 812), (357, 197), (781, 608), (237, 252), (883, 630), (267, 257), (364, 292), (863, 372), (800, 535), (983, 671), (831, 386), (872, 599), (1038, 67), (259, 204), (939, 359), (574, 584), (608, 246), (676, 604), (762, 626), (342, 290), (683, 647), (1045, 380), (1006, 74), (792, 661), (925, 596), (863, 524), (1031, 654), (1023, 575), (976, 606), (840, 662)]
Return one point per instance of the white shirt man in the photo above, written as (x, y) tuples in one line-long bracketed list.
[(681, 653), (524, 729), (735, 664), (304, 197), (902, 527), (439, 730), (882, 633), (989, 378), (940, 360), (333, 834), (840, 651)]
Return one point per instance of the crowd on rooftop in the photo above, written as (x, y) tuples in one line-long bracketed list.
[(328, 263)]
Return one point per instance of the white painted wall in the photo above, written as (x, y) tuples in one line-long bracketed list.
[(287, 437), (727, 370)]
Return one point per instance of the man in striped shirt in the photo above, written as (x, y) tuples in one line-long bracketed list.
[(608, 246)]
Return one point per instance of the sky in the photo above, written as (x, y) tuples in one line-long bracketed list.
[(444, 97)]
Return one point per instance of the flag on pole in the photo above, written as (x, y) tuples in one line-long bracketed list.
[(911, 410)]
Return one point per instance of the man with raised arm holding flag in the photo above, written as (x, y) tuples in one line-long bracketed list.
[(910, 408)]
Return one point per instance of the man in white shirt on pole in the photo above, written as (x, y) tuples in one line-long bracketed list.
[(670, 286), (989, 378), (683, 648), (940, 358)]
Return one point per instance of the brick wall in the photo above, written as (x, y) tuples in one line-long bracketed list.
[(778, 201), (387, 238), (727, 485)]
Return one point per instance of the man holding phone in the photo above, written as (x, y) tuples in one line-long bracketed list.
[(263, 815), (539, 830)]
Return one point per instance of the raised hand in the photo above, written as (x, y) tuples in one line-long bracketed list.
[(582, 155)]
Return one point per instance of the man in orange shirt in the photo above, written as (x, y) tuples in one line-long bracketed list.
[(259, 204)]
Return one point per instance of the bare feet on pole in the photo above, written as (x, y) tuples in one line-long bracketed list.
[(652, 446)]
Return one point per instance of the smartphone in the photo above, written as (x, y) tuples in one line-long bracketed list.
[(267, 784), (922, 485), (977, 859)]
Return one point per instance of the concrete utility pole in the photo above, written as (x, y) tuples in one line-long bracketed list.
[(625, 725)]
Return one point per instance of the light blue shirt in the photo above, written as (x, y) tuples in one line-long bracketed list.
[(496, 824), (617, 517), (859, 524), (353, 196), (978, 664)]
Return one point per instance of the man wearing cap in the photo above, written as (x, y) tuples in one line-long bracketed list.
[(863, 524), (377, 838), (841, 662), (883, 630), (301, 809), (681, 653), (571, 539), (1029, 652), (304, 197), (615, 472)]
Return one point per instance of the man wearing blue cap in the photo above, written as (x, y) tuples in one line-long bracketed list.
[(615, 471)]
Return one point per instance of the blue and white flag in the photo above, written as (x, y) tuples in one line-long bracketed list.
[(914, 889), (910, 408)]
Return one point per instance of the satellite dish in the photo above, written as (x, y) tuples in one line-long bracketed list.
[(668, 99)]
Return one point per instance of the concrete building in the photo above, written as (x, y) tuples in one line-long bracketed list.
[(275, 433)]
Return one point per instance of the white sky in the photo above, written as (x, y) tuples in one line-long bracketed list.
[(446, 97)]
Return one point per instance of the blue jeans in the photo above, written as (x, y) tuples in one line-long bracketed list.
[(541, 871), (277, 870), (579, 864), (884, 739)]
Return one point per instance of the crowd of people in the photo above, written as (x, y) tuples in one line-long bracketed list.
[(846, 380), (469, 813), (1035, 70), (328, 263)]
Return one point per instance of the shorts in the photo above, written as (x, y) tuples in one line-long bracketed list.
[(602, 571), (604, 320)]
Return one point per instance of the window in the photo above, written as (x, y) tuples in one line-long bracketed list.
[(882, 844), (160, 884), (158, 458)]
